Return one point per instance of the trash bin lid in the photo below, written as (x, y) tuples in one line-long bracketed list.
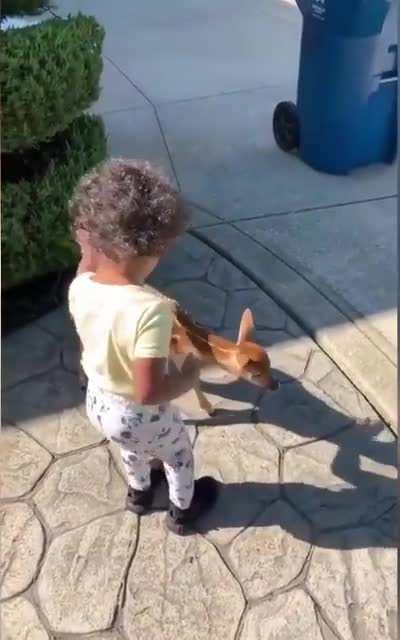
[(352, 18)]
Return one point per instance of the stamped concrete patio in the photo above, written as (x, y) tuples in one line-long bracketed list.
[(301, 543)]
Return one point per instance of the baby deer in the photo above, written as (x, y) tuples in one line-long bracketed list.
[(243, 358)]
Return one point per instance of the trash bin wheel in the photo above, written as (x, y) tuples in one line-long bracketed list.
[(286, 126)]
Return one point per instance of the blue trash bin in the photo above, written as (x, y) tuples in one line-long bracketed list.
[(346, 112)]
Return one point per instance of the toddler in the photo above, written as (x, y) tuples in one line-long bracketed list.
[(125, 216)]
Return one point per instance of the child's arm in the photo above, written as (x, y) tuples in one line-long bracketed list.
[(154, 386), (152, 382)]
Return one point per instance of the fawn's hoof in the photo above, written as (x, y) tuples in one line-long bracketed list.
[(210, 410)]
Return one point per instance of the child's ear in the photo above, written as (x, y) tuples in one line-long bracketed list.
[(246, 326)]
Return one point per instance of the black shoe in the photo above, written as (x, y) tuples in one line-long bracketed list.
[(140, 502), (179, 521)]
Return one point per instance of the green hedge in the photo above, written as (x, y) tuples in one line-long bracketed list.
[(35, 225), (49, 74), (24, 7)]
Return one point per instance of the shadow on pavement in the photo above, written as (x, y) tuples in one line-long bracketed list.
[(357, 494), (234, 505), (357, 455)]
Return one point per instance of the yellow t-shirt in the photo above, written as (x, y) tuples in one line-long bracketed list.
[(116, 325)]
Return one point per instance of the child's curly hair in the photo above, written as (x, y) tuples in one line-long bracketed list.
[(128, 208)]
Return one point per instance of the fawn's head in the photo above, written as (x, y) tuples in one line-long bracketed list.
[(253, 362)]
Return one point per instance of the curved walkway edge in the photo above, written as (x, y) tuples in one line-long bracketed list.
[(368, 368)]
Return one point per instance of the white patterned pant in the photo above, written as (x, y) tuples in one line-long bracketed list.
[(146, 433)]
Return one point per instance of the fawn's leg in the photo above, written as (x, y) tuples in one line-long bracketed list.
[(204, 404), (203, 401)]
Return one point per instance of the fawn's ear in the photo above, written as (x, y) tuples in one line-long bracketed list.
[(246, 326), (241, 360)]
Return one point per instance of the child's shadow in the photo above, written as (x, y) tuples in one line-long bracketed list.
[(364, 464), (241, 505)]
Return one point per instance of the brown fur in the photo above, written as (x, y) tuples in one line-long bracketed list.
[(244, 359)]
